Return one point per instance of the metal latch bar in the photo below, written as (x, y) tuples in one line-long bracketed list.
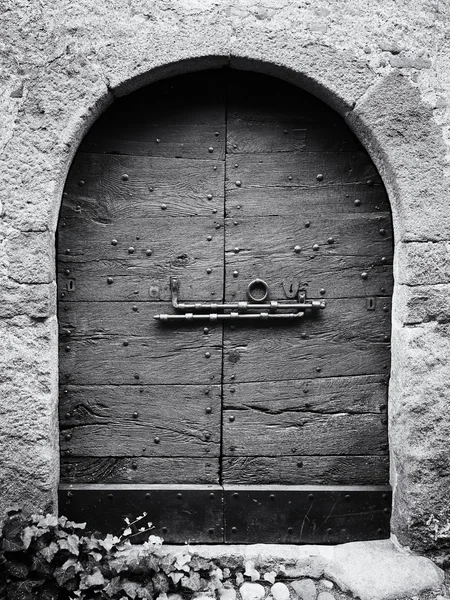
[(264, 316)]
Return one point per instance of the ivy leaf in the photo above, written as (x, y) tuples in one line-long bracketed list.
[(21, 590), (130, 588), (113, 587), (40, 566), (48, 521), (27, 535), (192, 582), (17, 569), (49, 592), (160, 582), (145, 593), (176, 576), (93, 579), (109, 542), (181, 564), (74, 525), (48, 552), (12, 534), (71, 543)]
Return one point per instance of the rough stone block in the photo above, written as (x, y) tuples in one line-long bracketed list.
[(422, 263), (31, 256), (423, 303), (37, 301)]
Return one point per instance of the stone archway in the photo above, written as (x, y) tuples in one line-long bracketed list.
[(381, 111)]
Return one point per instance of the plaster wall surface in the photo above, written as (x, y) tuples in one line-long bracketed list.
[(384, 66)]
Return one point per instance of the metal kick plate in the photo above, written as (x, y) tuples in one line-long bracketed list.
[(327, 515), (238, 514)]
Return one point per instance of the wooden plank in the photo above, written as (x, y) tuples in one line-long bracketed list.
[(339, 276), (256, 433), (191, 249), (306, 514), (300, 169), (111, 343), (139, 469), (306, 470), (363, 394), (179, 513), (152, 188), (348, 235), (343, 340), (161, 420), (305, 204), (186, 115)]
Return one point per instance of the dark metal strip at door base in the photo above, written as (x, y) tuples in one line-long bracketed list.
[(252, 514)]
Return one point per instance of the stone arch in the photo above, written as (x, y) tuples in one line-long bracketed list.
[(380, 112)]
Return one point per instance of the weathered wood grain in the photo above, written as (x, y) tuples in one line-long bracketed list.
[(364, 394), (300, 169), (153, 188), (345, 339), (349, 235), (339, 276), (191, 249), (183, 118), (110, 343), (255, 433), (306, 470), (153, 470), (305, 204), (165, 420)]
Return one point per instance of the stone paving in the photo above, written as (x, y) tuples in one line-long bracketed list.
[(376, 570)]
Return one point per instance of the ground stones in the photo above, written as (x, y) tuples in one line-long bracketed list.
[(252, 591), (280, 591), (305, 589)]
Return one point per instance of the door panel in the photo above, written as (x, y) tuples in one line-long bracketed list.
[(216, 179)]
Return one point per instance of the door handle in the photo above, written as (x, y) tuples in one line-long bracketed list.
[(262, 309)]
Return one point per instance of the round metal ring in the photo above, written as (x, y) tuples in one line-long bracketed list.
[(255, 284)]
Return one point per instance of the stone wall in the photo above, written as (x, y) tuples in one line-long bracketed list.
[(383, 65)]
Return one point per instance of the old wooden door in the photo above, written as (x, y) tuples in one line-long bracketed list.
[(236, 430)]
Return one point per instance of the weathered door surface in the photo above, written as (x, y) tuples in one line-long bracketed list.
[(231, 428)]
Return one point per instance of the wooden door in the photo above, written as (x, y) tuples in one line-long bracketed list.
[(216, 179)]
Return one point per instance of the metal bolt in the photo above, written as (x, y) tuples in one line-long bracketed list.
[(150, 189), (67, 348), (236, 250), (290, 177), (68, 436), (136, 376), (125, 177), (163, 206), (211, 530), (235, 273), (233, 530), (238, 207), (383, 289), (357, 202), (238, 183), (216, 133), (209, 270), (205, 330), (369, 182), (382, 231), (135, 415), (385, 308), (318, 369), (67, 251), (179, 495), (208, 410), (214, 168), (330, 240), (319, 177), (214, 211), (113, 242), (329, 530), (207, 391), (303, 335), (307, 224), (207, 354), (125, 343), (134, 466), (322, 292), (209, 238), (315, 247), (147, 496), (383, 259), (131, 250), (235, 495), (135, 308), (232, 377), (67, 272), (290, 530), (207, 436), (81, 183), (311, 496), (231, 418), (149, 252), (236, 165), (272, 496), (235, 223), (209, 196), (210, 149), (364, 275), (297, 249), (386, 338), (217, 226), (156, 440), (300, 463)]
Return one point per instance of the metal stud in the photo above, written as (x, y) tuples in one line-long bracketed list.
[(205, 330), (330, 240), (272, 496), (303, 335), (322, 292), (214, 168), (210, 149), (235, 223), (237, 250), (158, 140), (315, 247), (216, 133), (319, 177), (68, 436), (235, 146), (231, 418), (208, 410), (369, 182), (135, 415), (207, 354), (209, 238), (386, 338), (382, 231), (207, 436), (209, 196), (357, 202), (364, 275), (150, 189), (297, 249), (81, 183), (233, 530), (125, 343), (290, 177), (135, 308), (290, 530), (207, 391), (148, 252), (318, 369), (300, 463), (113, 242), (307, 224), (109, 280), (67, 251), (156, 440), (131, 250), (385, 308), (163, 206), (285, 131), (211, 530), (238, 207), (134, 466), (209, 270), (136, 376), (211, 496), (125, 177), (238, 183), (236, 165), (235, 273), (383, 259)]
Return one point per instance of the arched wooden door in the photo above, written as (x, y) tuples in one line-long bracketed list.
[(225, 428)]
